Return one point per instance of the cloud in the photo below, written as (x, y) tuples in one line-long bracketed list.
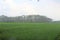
[(16, 9), (50, 9)]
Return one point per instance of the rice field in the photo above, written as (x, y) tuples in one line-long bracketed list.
[(29, 31)]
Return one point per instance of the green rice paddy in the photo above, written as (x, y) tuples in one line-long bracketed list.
[(29, 31)]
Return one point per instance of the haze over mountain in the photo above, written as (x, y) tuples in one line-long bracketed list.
[(49, 8)]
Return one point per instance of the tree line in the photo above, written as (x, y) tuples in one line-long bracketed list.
[(25, 18)]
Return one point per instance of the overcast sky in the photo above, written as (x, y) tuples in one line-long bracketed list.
[(49, 8)]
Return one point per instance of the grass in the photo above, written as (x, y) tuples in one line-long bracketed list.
[(29, 31)]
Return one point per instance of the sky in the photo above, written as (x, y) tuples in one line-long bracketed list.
[(49, 8)]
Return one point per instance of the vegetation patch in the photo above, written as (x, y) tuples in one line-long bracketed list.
[(29, 31)]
